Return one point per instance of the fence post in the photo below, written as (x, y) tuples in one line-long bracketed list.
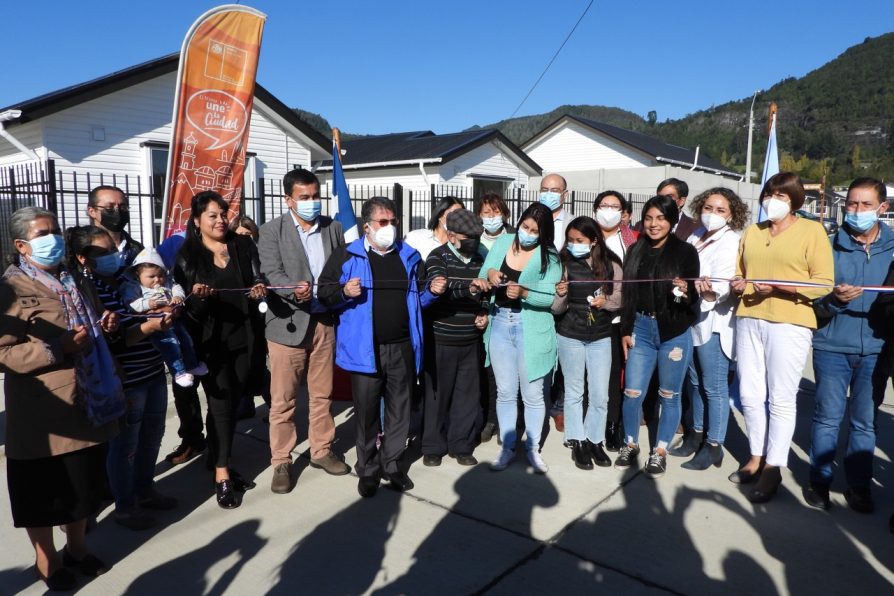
[(50, 174), (262, 203), (397, 195)]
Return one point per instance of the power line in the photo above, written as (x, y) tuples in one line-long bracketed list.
[(553, 59)]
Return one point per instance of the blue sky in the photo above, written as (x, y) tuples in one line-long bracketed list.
[(387, 66)]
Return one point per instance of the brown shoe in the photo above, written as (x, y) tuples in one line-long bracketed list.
[(331, 464), (559, 421), (183, 453), (282, 479)]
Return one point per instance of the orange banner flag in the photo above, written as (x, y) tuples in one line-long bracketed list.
[(212, 110)]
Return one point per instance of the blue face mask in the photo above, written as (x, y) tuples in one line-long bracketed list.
[(578, 250), (861, 221), (553, 200), (47, 251), (527, 240), (107, 265), (308, 210), (492, 224)]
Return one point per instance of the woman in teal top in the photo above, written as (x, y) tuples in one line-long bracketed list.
[(521, 338)]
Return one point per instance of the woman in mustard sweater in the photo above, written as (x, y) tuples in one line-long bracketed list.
[(521, 338), (775, 325)]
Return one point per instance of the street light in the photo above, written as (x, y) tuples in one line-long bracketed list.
[(750, 136)]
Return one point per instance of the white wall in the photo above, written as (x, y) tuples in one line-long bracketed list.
[(486, 160), (572, 147)]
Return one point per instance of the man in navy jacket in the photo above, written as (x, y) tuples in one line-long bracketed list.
[(376, 285), (847, 347)]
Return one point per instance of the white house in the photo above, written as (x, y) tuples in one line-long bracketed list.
[(118, 127), (465, 164)]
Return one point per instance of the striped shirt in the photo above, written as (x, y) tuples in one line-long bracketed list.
[(141, 361), (453, 313)]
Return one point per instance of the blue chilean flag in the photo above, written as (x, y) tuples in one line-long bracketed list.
[(771, 163), (342, 211)]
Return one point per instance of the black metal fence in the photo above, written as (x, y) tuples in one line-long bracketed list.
[(66, 194)]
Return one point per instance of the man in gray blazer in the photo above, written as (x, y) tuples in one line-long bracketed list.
[(300, 331)]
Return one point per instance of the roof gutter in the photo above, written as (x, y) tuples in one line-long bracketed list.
[(693, 166), (383, 164), (9, 116)]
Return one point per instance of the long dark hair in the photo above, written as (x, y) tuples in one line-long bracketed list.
[(541, 214), (195, 258), (668, 207), (78, 241), (440, 207), (601, 258)]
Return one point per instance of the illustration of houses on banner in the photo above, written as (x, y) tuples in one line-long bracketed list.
[(204, 178)]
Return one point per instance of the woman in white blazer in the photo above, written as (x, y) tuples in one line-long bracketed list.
[(722, 215)]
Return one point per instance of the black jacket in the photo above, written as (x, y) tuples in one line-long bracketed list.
[(676, 259)]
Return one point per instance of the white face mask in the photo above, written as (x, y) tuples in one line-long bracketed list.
[(712, 221), (608, 218), (383, 238), (776, 209)]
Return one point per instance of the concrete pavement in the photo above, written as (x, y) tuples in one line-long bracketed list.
[(469, 530)]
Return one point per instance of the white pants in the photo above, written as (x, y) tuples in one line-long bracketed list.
[(771, 358)]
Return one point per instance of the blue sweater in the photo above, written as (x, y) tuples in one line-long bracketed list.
[(355, 348), (854, 328)]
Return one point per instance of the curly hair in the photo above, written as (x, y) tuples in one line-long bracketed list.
[(737, 207)]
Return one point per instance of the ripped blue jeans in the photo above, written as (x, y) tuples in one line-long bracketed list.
[(671, 358)]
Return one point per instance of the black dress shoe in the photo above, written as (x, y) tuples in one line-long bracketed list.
[(464, 459), (61, 580), (399, 481), (580, 455), (432, 461), (740, 476), (600, 457), (88, 565), (226, 494), (766, 485), (817, 495), (367, 486)]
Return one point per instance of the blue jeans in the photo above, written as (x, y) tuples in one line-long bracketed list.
[(671, 357), (507, 357), (593, 358), (709, 384), (134, 451), (836, 373), (176, 348)]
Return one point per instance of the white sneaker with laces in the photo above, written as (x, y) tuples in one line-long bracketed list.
[(503, 460), (537, 462)]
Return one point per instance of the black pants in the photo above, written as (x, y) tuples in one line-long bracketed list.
[(394, 380), (186, 402), (451, 415), (615, 402), (488, 388), (224, 385)]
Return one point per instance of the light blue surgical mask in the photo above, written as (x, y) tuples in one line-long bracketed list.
[(861, 221), (553, 200), (578, 250), (527, 240), (492, 224), (47, 251), (308, 210), (107, 265)]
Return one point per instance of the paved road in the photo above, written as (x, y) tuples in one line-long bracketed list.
[(469, 530)]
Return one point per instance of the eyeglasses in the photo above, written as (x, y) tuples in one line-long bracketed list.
[(113, 208), (384, 222)]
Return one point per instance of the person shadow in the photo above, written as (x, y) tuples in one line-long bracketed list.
[(448, 560), (188, 571)]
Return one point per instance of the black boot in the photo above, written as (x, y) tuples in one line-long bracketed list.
[(600, 457), (708, 455), (613, 436), (691, 443), (580, 455)]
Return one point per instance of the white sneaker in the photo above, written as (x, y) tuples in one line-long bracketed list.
[(503, 460), (537, 462), (184, 379), (200, 370)]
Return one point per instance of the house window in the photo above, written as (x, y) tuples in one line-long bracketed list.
[(481, 186)]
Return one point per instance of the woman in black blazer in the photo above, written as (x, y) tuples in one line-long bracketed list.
[(226, 326)]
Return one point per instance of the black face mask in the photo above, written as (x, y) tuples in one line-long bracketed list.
[(114, 221), (468, 247)]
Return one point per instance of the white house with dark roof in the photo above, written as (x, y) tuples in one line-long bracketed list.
[(119, 126)]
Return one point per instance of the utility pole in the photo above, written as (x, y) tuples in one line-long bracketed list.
[(750, 137)]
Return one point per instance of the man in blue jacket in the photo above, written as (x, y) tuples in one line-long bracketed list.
[(846, 349), (377, 286)]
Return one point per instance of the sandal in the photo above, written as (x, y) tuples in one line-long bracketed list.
[(89, 565)]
